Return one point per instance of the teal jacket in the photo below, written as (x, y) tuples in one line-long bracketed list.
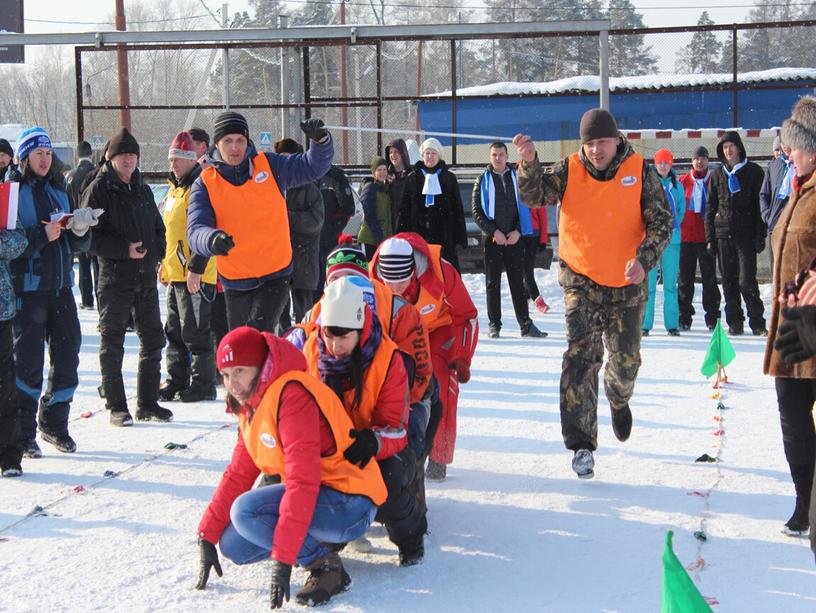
[(676, 195)]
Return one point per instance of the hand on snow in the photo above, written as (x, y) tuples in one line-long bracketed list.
[(634, 272), (221, 243), (315, 129), (364, 447), (84, 219), (209, 559), (279, 586), (796, 337)]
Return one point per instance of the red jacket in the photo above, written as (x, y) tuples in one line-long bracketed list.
[(306, 436), (692, 229), (540, 224)]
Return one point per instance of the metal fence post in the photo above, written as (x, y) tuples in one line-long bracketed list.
[(225, 58), (453, 99), (603, 40), (734, 95)]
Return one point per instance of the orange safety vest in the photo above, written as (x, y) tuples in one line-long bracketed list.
[(434, 310), (263, 443), (600, 226), (373, 379), (255, 215)]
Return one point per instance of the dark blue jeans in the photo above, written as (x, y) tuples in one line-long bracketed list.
[(338, 518)]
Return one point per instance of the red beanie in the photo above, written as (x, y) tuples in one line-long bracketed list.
[(182, 147), (663, 155), (242, 346)]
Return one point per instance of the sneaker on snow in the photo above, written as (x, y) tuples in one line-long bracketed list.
[(674, 332), (645, 333), (327, 577), (197, 394), (735, 330), (493, 331), (168, 392), (12, 471), (121, 419), (622, 423), (31, 449), (154, 413), (531, 331), (436, 472), (583, 464), (685, 327), (63, 442), (759, 331), (541, 306)]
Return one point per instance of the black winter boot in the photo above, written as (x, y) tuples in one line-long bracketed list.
[(327, 577), (412, 550), (798, 524), (622, 423)]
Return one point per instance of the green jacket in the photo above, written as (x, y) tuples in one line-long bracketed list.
[(377, 224)]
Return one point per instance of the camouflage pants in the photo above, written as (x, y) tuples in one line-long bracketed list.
[(597, 315)]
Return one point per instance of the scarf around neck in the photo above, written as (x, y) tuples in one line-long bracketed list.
[(786, 185), (488, 201), (699, 193), (431, 189), (733, 181), (334, 370)]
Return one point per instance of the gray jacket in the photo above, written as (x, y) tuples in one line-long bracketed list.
[(12, 244)]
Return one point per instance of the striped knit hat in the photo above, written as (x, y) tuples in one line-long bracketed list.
[(396, 260), (230, 122), (30, 139)]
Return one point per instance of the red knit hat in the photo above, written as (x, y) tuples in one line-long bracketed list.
[(182, 147), (663, 155), (242, 346)]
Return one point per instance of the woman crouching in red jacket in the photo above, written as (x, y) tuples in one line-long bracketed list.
[(293, 425)]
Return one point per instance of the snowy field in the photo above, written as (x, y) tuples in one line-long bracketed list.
[(512, 527)]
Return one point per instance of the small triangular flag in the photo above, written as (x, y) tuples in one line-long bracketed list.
[(680, 595), (720, 352)]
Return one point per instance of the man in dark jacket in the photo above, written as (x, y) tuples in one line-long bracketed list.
[(432, 205), (502, 218), (6, 157), (75, 179), (736, 233), (338, 207), (776, 188), (238, 214), (129, 243)]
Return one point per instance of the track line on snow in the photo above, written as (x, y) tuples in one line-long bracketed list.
[(39, 511)]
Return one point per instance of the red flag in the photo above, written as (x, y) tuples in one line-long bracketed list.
[(9, 193)]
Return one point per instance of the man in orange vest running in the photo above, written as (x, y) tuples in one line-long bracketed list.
[(613, 226), (237, 213)]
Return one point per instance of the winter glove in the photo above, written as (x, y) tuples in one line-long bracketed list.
[(759, 243), (314, 129), (711, 248), (209, 559), (279, 586), (462, 369), (364, 447), (84, 219), (221, 243), (796, 337)]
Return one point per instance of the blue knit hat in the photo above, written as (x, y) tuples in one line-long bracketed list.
[(30, 139)]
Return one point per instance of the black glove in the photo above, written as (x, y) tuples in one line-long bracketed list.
[(315, 129), (796, 336), (711, 248), (209, 559), (759, 243), (279, 585), (221, 243), (364, 447)]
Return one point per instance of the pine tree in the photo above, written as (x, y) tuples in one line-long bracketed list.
[(704, 52), (628, 55)]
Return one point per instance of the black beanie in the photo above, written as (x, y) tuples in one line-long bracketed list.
[(122, 142), (5, 147), (597, 123), (230, 122), (700, 152), (84, 149)]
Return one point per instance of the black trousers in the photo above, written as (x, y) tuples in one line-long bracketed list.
[(190, 359), (218, 320), (530, 247), (690, 255), (46, 318), (402, 514), (511, 259), (87, 276), (738, 268), (795, 398), (116, 302), (302, 300), (259, 308), (11, 453)]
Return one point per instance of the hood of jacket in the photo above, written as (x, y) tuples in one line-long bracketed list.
[(731, 136), (399, 145)]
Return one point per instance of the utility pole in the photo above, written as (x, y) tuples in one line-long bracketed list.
[(225, 57), (343, 90), (122, 62), (283, 22), (418, 86)]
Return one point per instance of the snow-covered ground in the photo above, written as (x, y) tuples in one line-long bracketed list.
[(512, 527)]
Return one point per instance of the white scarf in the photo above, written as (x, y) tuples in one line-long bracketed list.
[(431, 187), (733, 180), (699, 193)]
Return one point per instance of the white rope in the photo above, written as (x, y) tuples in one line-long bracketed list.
[(425, 132)]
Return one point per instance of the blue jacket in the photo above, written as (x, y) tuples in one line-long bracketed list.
[(12, 244), (770, 204), (289, 171), (45, 265), (672, 186)]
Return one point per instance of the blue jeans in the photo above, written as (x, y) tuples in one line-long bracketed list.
[(338, 518)]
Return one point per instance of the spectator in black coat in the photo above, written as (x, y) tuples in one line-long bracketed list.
[(338, 207), (736, 233), (776, 188), (432, 205)]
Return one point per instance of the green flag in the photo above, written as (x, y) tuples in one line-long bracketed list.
[(680, 595), (720, 352)]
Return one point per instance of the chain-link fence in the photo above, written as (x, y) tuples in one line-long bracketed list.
[(675, 87)]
